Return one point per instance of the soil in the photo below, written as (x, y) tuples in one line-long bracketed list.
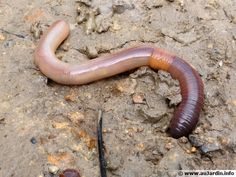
[(46, 127)]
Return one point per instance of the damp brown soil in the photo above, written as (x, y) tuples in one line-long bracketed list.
[(46, 128)]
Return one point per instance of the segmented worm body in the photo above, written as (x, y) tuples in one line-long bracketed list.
[(186, 115)]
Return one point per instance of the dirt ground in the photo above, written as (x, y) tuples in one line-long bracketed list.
[(46, 127)]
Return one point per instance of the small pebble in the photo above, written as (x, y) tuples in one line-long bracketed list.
[(66, 46), (2, 37), (36, 30), (223, 141), (188, 151), (90, 24), (119, 9), (213, 3), (76, 117), (168, 146), (206, 126), (91, 52), (196, 141), (210, 46), (91, 143), (107, 130), (72, 96), (87, 95), (70, 173), (116, 26), (141, 147), (9, 43), (104, 25), (114, 161), (180, 2), (82, 18), (81, 134), (120, 6), (220, 63), (53, 169), (60, 125), (210, 147), (33, 140), (183, 140), (198, 130), (193, 150), (129, 132), (138, 98), (140, 129), (155, 152), (126, 85)]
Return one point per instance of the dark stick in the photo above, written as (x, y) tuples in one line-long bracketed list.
[(11, 33), (102, 161)]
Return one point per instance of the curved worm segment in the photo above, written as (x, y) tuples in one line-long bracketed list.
[(186, 115)]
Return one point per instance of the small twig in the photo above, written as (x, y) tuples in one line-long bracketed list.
[(102, 159), (11, 33)]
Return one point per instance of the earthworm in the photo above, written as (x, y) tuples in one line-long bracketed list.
[(185, 116)]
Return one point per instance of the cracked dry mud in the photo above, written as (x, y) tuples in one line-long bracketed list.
[(45, 126)]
